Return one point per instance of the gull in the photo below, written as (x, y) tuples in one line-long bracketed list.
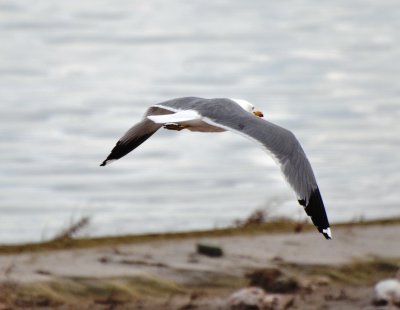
[(239, 116)]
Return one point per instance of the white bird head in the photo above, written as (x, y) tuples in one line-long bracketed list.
[(245, 105)]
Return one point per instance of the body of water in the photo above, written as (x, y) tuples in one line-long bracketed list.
[(75, 75)]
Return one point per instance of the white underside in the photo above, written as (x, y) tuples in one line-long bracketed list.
[(190, 119), (177, 117)]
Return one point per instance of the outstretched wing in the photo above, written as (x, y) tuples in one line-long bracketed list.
[(135, 136), (285, 149)]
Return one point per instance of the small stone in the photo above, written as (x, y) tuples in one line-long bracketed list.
[(209, 250)]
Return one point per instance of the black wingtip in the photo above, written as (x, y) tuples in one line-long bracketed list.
[(107, 161), (316, 210)]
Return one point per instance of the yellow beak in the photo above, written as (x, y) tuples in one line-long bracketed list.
[(258, 113)]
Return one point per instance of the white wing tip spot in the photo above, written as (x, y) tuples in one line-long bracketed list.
[(327, 231)]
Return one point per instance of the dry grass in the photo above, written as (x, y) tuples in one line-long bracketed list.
[(72, 229), (85, 291), (109, 293)]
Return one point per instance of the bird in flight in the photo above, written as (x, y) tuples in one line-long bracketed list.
[(240, 116)]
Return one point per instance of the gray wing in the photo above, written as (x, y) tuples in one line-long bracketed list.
[(135, 136), (283, 146)]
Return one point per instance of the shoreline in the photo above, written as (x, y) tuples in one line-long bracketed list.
[(274, 226), (165, 271)]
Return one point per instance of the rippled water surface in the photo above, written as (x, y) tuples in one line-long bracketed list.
[(74, 75)]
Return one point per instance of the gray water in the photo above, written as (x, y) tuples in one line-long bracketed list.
[(75, 75)]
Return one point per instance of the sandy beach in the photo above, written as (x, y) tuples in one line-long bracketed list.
[(170, 274)]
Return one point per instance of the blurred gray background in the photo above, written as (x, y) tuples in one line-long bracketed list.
[(75, 75)]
